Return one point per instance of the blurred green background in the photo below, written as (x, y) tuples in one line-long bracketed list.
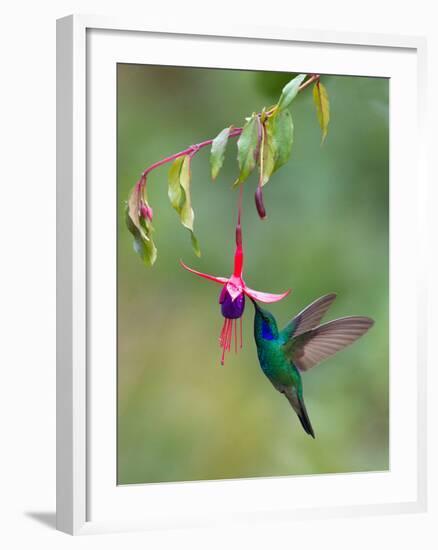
[(180, 415)]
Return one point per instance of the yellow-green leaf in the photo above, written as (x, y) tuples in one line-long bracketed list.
[(278, 141), (140, 228), (174, 190), (268, 152), (218, 151), (146, 250), (195, 244), (247, 149), (283, 138), (180, 197), (320, 97), (133, 208), (186, 213), (290, 91)]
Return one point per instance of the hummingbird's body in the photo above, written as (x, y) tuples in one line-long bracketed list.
[(302, 344)]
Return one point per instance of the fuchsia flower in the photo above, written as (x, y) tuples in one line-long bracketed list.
[(232, 297), (146, 211)]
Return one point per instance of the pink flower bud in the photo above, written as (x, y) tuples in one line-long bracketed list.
[(146, 212), (259, 203)]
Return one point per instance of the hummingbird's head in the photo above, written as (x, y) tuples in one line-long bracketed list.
[(265, 325)]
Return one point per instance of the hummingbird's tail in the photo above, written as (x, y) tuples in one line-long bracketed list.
[(304, 419), (297, 403)]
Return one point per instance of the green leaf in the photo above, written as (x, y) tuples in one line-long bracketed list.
[(290, 91), (195, 244), (186, 212), (320, 97), (268, 151), (277, 147), (283, 138), (247, 148), (146, 250), (179, 195), (133, 208), (140, 228), (174, 190), (218, 151)]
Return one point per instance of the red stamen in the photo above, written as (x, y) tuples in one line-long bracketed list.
[(230, 328), (222, 334), (224, 339), (223, 356), (235, 335), (241, 333)]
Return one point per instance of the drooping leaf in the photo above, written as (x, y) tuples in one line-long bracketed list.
[(290, 91), (186, 212), (133, 206), (174, 189), (218, 151), (195, 244), (145, 248), (278, 140), (283, 138), (247, 146), (268, 152), (180, 198), (140, 228), (321, 100)]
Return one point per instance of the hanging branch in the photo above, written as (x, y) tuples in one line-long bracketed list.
[(265, 141)]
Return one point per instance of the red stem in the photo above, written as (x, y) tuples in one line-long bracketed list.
[(238, 255), (239, 206), (308, 82), (193, 149)]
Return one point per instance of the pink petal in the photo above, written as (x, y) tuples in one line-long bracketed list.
[(265, 296), (220, 280), (235, 287)]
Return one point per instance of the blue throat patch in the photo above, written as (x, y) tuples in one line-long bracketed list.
[(266, 331)]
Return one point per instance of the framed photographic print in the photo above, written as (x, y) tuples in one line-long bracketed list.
[(240, 275)]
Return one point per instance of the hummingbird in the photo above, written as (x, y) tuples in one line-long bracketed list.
[(302, 344)]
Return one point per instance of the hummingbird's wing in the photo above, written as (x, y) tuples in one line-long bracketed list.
[(309, 318), (311, 347)]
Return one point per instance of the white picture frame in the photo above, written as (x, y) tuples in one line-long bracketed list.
[(87, 499)]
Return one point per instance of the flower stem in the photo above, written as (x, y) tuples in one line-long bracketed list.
[(239, 216)]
